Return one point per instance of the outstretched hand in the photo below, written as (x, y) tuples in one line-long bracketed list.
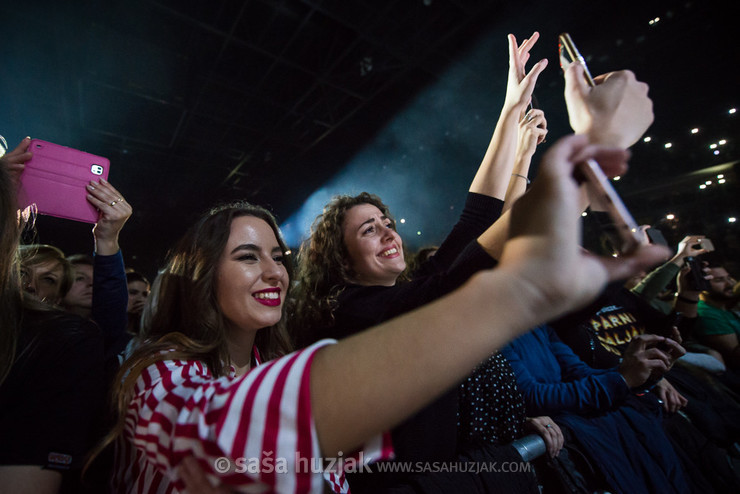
[(520, 85), (114, 212), (543, 248)]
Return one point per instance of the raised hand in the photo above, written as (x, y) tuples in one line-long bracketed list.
[(114, 212), (616, 112)]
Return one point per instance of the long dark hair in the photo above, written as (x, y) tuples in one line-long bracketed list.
[(10, 293), (183, 320)]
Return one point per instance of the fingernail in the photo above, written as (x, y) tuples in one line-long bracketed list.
[(104, 180)]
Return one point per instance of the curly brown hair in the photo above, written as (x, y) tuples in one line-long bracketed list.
[(324, 268)]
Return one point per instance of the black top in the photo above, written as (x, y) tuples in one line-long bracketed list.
[(600, 332), (52, 402)]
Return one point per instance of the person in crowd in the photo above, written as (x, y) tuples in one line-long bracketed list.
[(363, 281), (45, 273), (78, 299), (631, 452), (138, 291), (718, 326), (101, 291), (52, 388), (680, 302), (221, 297)]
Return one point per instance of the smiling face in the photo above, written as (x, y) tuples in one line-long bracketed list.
[(721, 284), (251, 279), (375, 248)]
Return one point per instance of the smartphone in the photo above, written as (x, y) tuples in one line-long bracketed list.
[(656, 237), (706, 244), (696, 275), (569, 53), (607, 208), (54, 180)]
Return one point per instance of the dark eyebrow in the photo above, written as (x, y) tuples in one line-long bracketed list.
[(255, 248), (245, 247), (371, 220)]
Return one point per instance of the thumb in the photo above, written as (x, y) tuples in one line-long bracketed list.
[(575, 82)]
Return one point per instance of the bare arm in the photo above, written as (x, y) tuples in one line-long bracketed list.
[(532, 131), (390, 371), (493, 174)]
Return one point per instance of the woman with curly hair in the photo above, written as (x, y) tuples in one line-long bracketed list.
[(201, 385)]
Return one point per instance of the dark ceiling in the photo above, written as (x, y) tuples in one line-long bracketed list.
[(197, 102)]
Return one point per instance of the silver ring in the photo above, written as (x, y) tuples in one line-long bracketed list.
[(112, 203)]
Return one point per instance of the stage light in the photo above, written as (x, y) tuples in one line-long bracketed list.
[(403, 220), (703, 186), (694, 131), (723, 142), (418, 232), (617, 178), (713, 146), (647, 139), (670, 216), (708, 182), (716, 153), (732, 111), (731, 219), (668, 145), (721, 175), (721, 181)]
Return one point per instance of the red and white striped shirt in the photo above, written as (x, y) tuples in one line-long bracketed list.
[(254, 433)]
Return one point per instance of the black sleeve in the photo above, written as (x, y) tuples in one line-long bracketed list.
[(361, 307), (479, 213)]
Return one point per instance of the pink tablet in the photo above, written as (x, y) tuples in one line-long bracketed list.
[(55, 179)]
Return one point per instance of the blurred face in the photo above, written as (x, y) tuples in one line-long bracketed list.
[(43, 281), (375, 248), (138, 291), (721, 283), (251, 280), (80, 294)]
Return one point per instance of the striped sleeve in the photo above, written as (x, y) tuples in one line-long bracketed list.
[(248, 431)]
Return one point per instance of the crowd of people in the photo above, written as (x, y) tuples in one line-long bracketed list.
[(240, 368)]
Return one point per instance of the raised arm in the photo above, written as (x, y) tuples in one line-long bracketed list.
[(532, 131), (614, 113), (110, 289), (543, 273), (492, 178)]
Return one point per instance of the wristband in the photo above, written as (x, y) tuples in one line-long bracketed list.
[(686, 300)]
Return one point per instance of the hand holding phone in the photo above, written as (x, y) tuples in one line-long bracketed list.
[(568, 53), (54, 179), (612, 109)]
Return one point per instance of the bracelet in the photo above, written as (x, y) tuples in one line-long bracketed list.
[(686, 299), (523, 176)]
